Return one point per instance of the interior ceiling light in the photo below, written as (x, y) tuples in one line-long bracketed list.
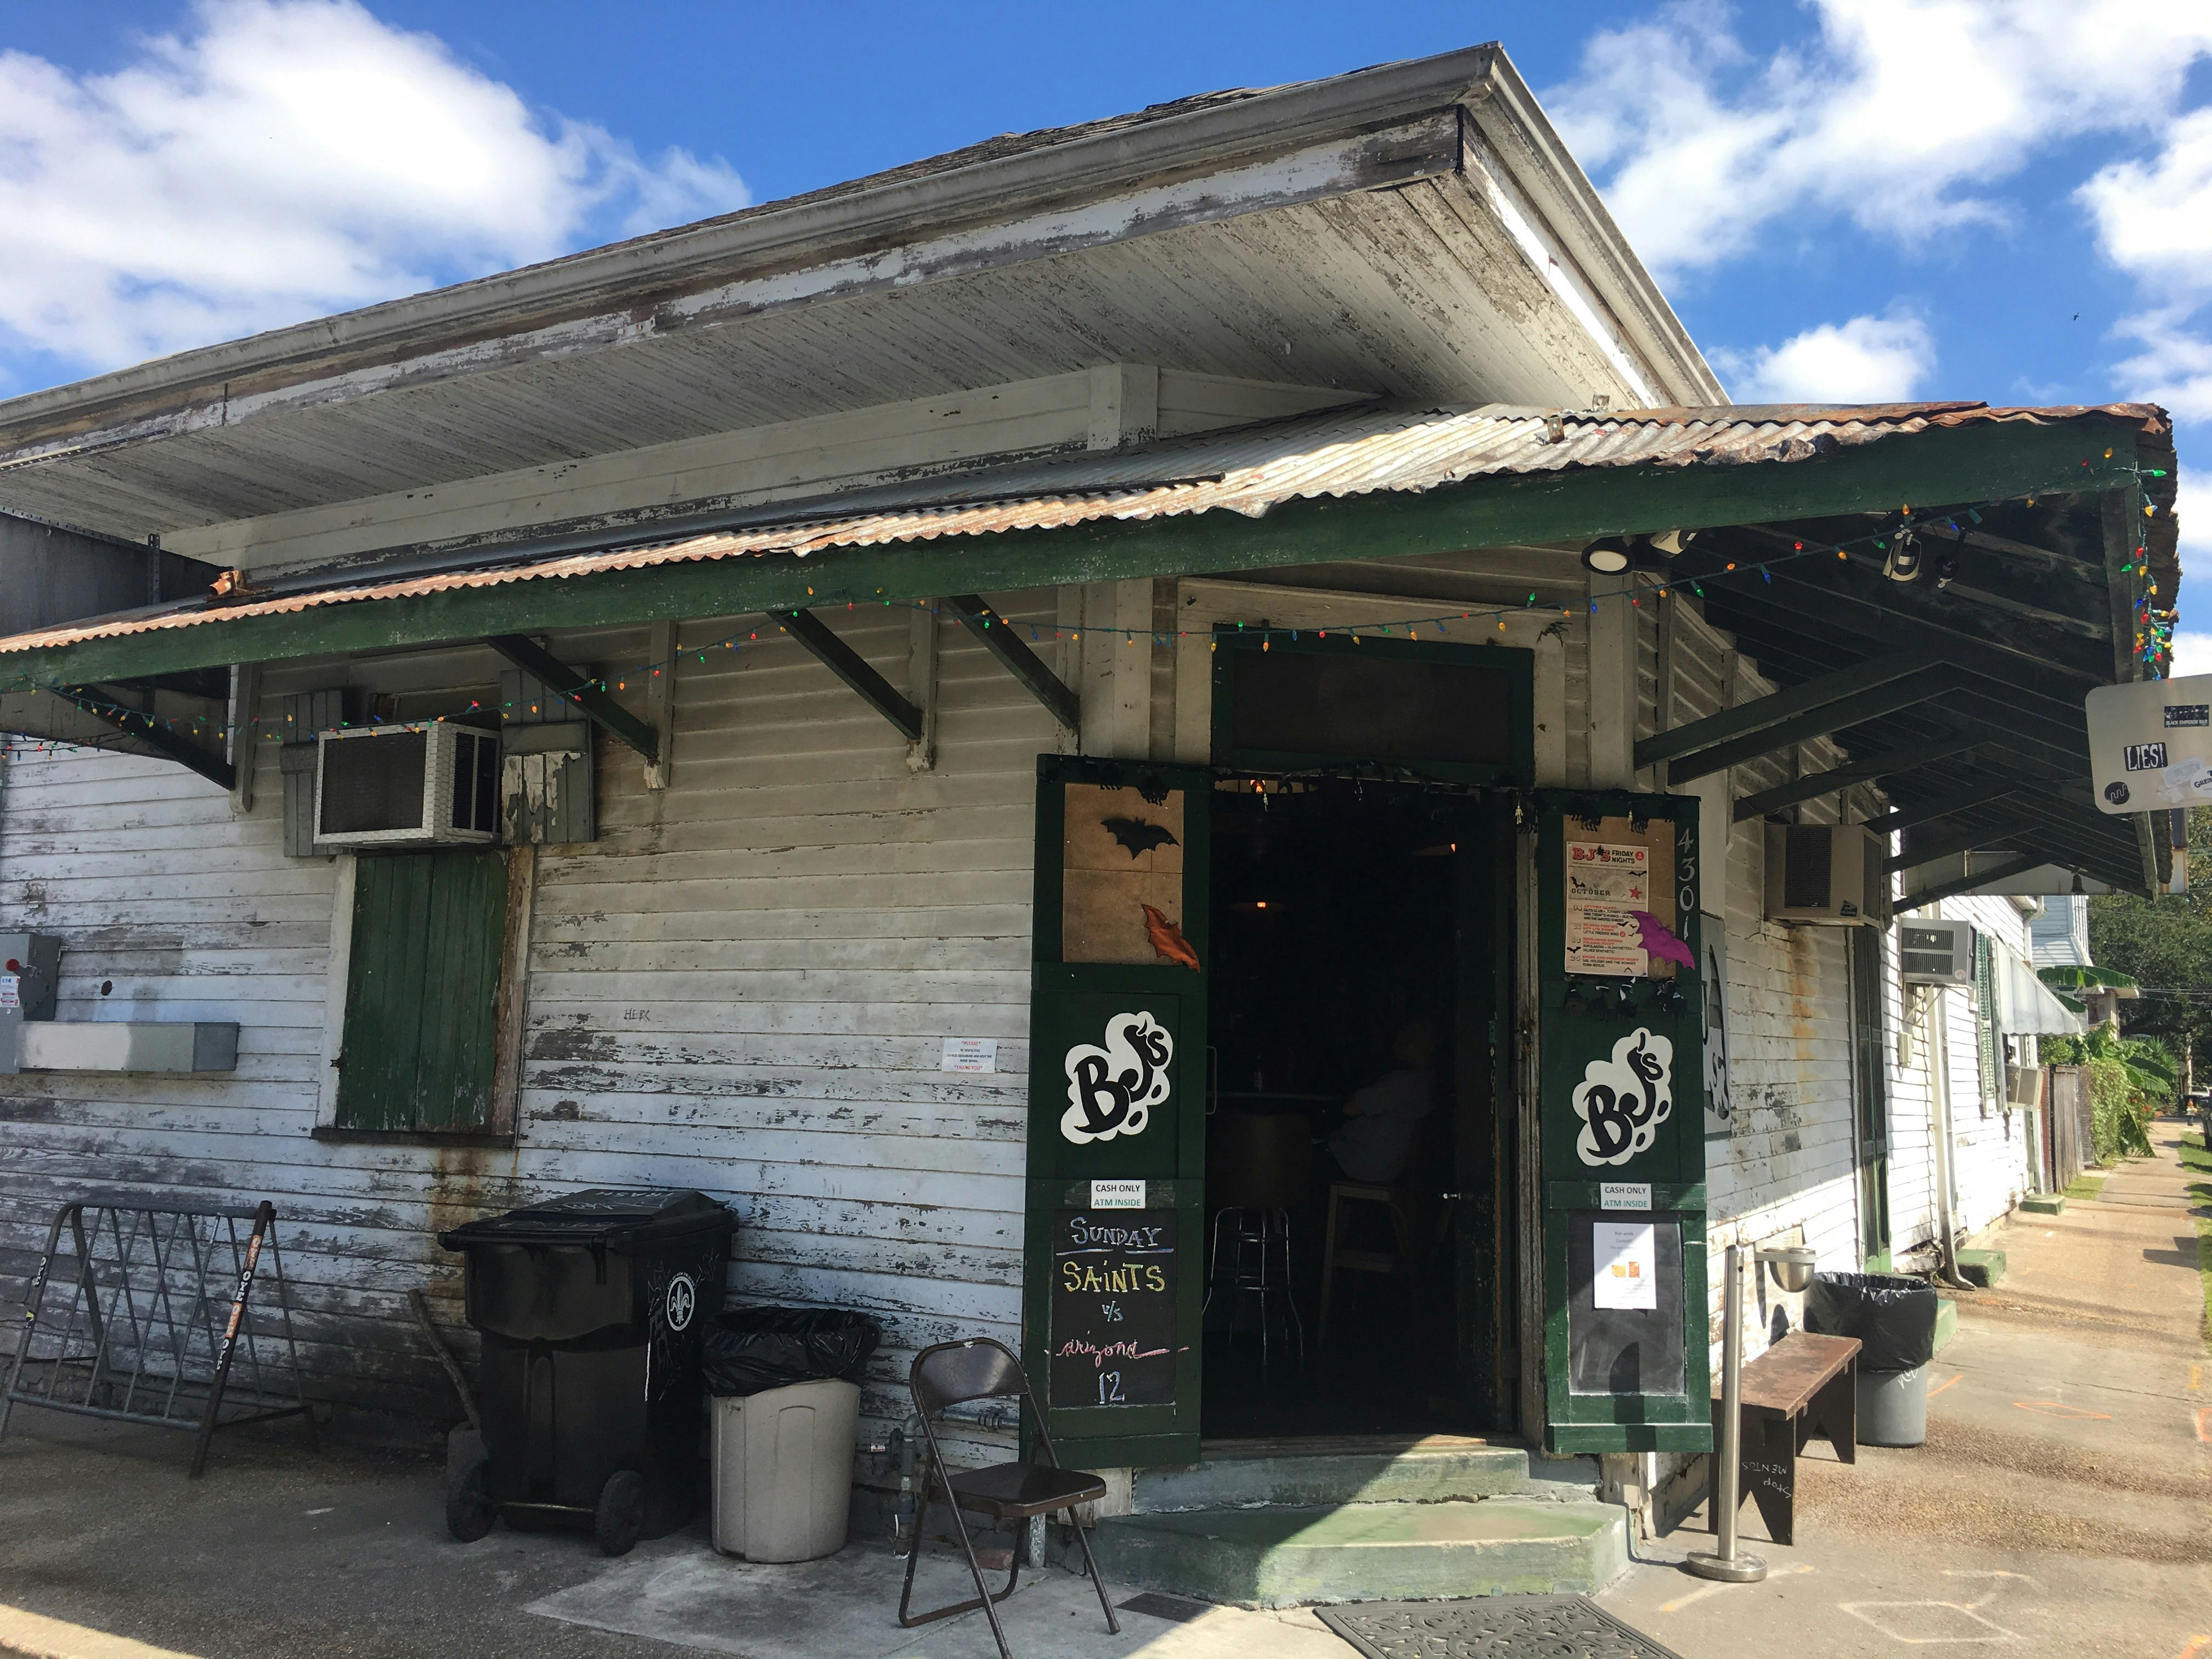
[(1608, 556)]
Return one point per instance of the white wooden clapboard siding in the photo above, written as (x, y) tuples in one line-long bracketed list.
[(744, 986)]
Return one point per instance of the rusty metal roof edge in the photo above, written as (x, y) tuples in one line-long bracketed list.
[(1343, 455)]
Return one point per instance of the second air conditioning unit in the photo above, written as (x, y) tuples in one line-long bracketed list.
[(425, 783), (1936, 952), (1825, 872)]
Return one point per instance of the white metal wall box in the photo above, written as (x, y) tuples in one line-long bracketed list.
[(29, 969), (114, 1045)]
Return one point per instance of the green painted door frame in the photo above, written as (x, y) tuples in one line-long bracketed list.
[(1084, 1016), (1621, 1131)]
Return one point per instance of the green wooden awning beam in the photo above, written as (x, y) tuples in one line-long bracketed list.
[(1817, 784), (1978, 463), (2005, 872), (1747, 718), (1826, 717), (1941, 806), (2005, 832), (585, 697), (996, 636), (153, 733), (850, 666)]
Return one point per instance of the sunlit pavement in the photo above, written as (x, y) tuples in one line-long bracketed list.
[(2064, 1503)]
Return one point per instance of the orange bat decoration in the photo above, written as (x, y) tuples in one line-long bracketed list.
[(1167, 940)]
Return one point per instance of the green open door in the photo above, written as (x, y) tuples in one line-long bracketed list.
[(1621, 1123), (1117, 1108)]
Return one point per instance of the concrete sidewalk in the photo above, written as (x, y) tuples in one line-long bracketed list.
[(2062, 1505)]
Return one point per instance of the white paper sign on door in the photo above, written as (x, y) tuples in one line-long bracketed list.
[(1624, 1260)]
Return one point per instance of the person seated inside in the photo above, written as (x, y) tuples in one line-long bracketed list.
[(1382, 1119)]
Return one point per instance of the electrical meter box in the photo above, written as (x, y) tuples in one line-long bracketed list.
[(30, 966)]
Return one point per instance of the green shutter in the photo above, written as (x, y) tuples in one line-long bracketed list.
[(423, 991)]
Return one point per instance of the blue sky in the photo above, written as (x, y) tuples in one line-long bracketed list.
[(2001, 199)]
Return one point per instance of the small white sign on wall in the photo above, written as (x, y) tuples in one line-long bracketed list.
[(1624, 1265), (1623, 1195), (11, 994), (969, 1054), (1117, 1194)]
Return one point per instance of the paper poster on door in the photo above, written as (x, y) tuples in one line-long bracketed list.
[(1624, 1264), (1607, 885)]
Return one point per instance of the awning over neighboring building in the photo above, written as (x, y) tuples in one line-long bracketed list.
[(2025, 1006)]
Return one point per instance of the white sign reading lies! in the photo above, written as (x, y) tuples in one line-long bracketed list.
[(2150, 743)]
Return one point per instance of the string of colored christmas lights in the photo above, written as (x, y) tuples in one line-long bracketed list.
[(2153, 644)]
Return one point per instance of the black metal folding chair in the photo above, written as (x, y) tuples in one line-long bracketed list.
[(953, 1374)]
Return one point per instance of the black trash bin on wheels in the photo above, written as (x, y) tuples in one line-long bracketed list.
[(592, 1308)]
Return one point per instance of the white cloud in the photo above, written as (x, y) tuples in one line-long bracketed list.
[(1868, 360), (282, 159), (1895, 116), (2192, 654), (2155, 221)]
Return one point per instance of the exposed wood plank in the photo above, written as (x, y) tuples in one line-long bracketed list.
[(586, 697), (1744, 718), (661, 703)]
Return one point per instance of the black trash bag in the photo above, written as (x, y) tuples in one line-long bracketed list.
[(752, 1349), (1894, 1319)]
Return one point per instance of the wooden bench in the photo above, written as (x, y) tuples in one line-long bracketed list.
[(1802, 1386)]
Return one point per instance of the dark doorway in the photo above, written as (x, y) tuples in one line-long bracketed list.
[(1354, 1161)]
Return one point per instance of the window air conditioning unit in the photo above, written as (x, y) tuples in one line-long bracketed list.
[(426, 784), (1936, 952), (2023, 1088), (1824, 873)]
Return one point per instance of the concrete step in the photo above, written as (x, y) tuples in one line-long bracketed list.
[(1275, 1557), (2044, 1204), (1431, 1469), (1984, 1268)]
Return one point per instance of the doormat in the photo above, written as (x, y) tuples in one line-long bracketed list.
[(1490, 1627)]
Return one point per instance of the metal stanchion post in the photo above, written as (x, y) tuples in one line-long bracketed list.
[(1726, 1563)]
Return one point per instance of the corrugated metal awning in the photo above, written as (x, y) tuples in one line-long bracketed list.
[(1249, 472)]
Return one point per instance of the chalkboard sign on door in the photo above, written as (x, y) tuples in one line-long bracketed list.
[(1113, 1333)]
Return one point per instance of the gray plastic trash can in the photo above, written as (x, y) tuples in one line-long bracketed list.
[(1893, 1408), (783, 1470)]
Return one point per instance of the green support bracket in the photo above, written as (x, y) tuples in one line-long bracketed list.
[(1821, 722), (996, 636), (148, 730), (1781, 708), (850, 666), (582, 695)]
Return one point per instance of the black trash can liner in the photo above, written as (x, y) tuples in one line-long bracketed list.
[(1893, 1318), (752, 1349)]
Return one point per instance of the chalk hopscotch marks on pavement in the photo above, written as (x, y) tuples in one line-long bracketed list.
[(1940, 1623)]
